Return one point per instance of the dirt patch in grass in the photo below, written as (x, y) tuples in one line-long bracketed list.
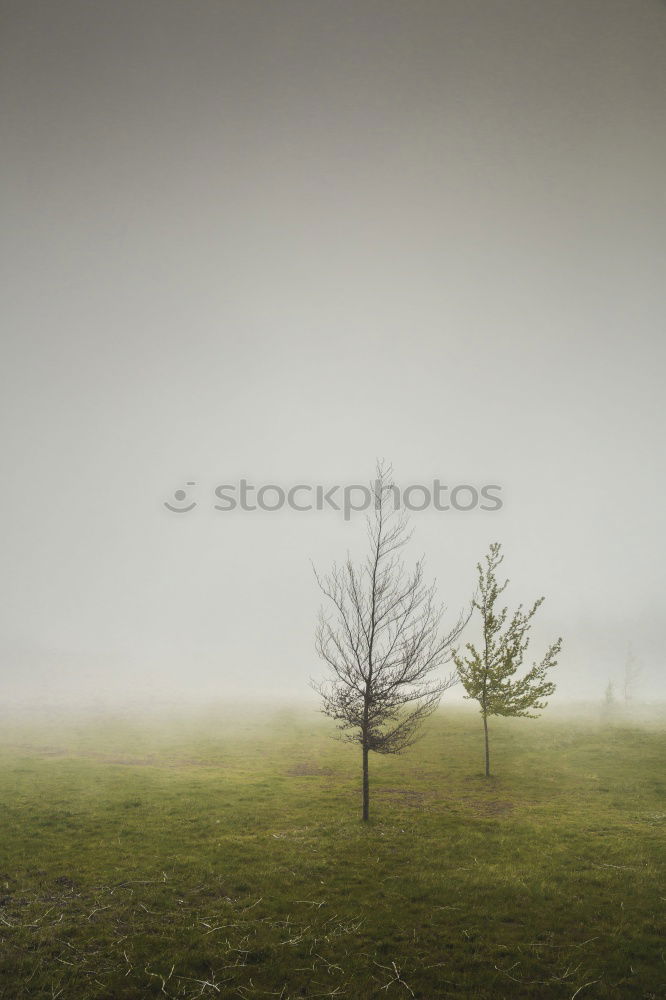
[(154, 760), (496, 807), (407, 796), (308, 770)]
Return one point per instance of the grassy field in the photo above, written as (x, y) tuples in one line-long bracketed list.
[(216, 856)]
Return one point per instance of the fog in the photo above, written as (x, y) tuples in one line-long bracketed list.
[(278, 241)]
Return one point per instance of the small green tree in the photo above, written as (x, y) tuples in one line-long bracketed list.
[(488, 674)]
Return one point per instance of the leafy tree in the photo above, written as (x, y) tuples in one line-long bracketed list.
[(381, 640), (488, 674)]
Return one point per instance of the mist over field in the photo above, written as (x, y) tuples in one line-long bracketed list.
[(279, 241)]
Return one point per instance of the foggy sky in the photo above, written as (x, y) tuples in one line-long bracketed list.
[(279, 240)]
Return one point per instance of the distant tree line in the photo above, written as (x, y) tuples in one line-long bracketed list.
[(628, 687)]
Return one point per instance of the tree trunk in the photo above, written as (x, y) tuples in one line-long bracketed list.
[(485, 733), (366, 786)]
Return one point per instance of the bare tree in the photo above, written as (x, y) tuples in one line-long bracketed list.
[(381, 639)]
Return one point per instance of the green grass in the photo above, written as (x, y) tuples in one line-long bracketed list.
[(219, 857)]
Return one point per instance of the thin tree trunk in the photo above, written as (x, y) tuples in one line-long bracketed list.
[(366, 786), (485, 733)]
